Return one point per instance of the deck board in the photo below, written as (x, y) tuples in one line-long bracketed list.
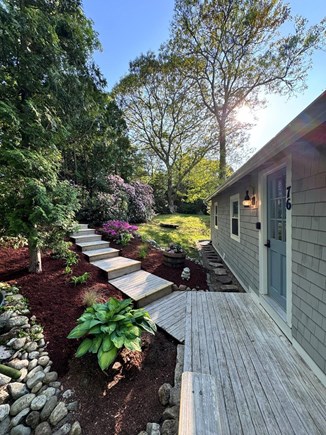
[(263, 385), (169, 314)]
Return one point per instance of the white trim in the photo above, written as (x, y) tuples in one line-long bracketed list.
[(310, 362), (262, 216), (235, 198)]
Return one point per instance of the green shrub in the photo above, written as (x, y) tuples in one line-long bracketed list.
[(143, 251), (81, 279), (13, 242), (109, 327)]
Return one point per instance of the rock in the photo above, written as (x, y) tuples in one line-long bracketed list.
[(215, 265), (38, 377), (5, 353), (38, 402), (18, 363), (43, 429), (4, 318), (49, 407), (65, 429), (174, 396), (37, 387), (20, 430), (175, 288), (182, 287), (4, 395), (73, 406), (19, 417), (19, 343), (4, 426), (224, 279), (32, 347), (4, 380), (21, 403), (56, 384), (171, 413), (50, 377), (41, 342), (23, 374), (220, 271), (47, 369), (164, 393), (49, 392), (33, 418), (32, 364), (68, 394), (4, 411), (143, 432), (43, 360), (16, 321), (59, 412), (76, 429), (229, 288), (34, 371), (169, 427), (33, 355), (153, 429), (179, 365), (17, 389), (24, 355)]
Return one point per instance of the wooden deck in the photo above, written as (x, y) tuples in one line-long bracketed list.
[(169, 313), (263, 386)]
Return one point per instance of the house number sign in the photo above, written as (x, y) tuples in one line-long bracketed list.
[(288, 198)]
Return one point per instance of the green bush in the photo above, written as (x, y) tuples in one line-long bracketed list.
[(109, 327), (81, 279)]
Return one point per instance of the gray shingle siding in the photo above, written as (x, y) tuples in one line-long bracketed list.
[(309, 251), (242, 257)]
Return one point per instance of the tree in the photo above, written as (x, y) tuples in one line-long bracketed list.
[(164, 116), (45, 52), (234, 53)]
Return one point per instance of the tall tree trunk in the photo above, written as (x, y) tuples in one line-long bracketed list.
[(222, 165), (171, 198), (35, 260)]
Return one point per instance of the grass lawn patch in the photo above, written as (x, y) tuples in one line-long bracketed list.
[(191, 229)]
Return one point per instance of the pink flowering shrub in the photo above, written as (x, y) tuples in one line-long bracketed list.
[(119, 231)]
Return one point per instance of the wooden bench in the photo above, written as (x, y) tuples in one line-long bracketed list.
[(198, 405)]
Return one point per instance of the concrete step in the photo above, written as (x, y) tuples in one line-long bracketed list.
[(83, 226), (90, 246), (117, 266), (142, 287), (101, 254), (83, 232), (87, 238)]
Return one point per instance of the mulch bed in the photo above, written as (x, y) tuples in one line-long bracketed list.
[(120, 401)]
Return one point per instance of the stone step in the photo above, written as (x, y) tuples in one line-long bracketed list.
[(229, 288), (83, 226), (89, 246), (87, 238), (224, 279), (214, 264), (220, 271), (142, 287), (83, 232), (101, 254), (117, 266)]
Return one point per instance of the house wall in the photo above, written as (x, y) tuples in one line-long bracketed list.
[(309, 251), (241, 257)]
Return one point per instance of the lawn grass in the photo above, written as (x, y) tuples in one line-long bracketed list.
[(191, 229)]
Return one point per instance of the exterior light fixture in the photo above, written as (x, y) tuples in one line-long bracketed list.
[(247, 201)]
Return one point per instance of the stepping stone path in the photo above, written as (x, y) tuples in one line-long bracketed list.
[(224, 279), (220, 272)]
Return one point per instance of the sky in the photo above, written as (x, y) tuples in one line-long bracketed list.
[(127, 28)]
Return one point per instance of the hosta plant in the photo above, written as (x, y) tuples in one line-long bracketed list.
[(109, 327)]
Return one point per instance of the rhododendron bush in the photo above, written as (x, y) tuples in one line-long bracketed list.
[(132, 202)]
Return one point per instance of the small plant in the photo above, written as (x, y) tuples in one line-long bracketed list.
[(175, 248), (109, 327), (90, 297), (125, 238), (143, 251), (68, 270), (81, 279), (71, 258)]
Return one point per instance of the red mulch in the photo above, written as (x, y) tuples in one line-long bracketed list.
[(153, 263), (122, 400)]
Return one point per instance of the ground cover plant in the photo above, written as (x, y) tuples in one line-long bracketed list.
[(191, 229)]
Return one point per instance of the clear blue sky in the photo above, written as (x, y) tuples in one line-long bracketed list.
[(128, 28)]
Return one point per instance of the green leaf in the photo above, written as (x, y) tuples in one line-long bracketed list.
[(107, 343), (79, 330), (118, 341), (83, 347), (133, 344), (86, 316), (106, 358), (96, 343), (151, 328), (95, 330), (118, 317)]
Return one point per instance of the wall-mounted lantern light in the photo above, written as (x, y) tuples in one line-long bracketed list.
[(249, 200)]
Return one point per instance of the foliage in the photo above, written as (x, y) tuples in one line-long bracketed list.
[(191, 229), (175, 248), (109, 327), (13, 242), (143, 251), (235, 54), (90, 297), (164, 116), (81, 279), (120, 231)]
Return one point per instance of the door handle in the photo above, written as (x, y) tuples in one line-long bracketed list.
[(268, 244)]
